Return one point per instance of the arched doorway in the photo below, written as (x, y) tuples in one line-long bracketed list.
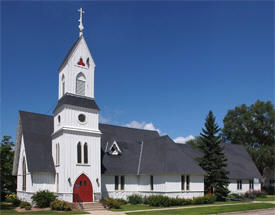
[(83, 189)]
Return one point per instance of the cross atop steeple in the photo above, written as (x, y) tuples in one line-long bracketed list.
[(81, 27)]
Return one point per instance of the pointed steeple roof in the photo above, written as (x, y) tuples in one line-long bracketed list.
[(70, 53)]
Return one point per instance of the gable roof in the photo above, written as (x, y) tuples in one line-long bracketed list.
[(76, 100), (239, 163), (36, 130), (142, 151), (129, 142)]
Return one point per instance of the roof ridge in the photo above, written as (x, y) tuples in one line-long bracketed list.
[(28, 112), (121, 126)]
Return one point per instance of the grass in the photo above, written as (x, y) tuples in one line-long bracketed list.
[(9, 209), (268, 198), (209, 210), (129, 207)]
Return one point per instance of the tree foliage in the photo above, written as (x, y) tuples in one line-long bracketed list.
[(213, 161), (8, 182), (254, 127)]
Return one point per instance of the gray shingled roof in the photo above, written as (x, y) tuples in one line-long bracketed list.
[(129, 142), (75, 100), (37, 130), (240, 165), (163, 156), (143, 151)]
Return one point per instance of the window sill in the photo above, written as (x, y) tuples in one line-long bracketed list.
[(57, 165), (83, 164)]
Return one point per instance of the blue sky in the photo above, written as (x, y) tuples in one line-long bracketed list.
[(165, 63)]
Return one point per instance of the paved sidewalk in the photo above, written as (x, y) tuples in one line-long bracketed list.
[(107, 212)]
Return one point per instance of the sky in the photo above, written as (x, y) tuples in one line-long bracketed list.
[(159, 65)]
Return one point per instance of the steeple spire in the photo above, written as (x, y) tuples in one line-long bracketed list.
[(81, 27)]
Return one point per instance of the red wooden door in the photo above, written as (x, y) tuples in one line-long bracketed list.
[(83, 189)]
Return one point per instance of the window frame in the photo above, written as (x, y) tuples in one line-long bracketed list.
[(85, 150), (24, 174), (151, 182), (122, 182), (183, 182), (187, 182), (79, 153), (116, 182), (251, 184)]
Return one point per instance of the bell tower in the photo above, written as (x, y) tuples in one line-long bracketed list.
[(76, 146)]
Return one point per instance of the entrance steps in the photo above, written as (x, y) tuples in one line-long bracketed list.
[(90, 206)]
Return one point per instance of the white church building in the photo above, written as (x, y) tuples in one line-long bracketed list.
[(81, 160)]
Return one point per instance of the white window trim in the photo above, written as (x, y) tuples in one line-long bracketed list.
[(115, 152)]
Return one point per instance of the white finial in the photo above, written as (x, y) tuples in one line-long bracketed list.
[(81, 27)]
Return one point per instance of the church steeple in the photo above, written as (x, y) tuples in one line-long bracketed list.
[(76, 73)]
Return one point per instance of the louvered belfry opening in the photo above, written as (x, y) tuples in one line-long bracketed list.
[(80, 84)]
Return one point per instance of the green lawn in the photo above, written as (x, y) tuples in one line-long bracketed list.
[(268, 198), (9, 209), (130, 207), (209, 210)]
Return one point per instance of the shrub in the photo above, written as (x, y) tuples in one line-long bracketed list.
[(11, 197), (270, 190), (28, 207), (236, 197), (122, 201), (198, 200), (177, 201), (43, 198), (158, 201), (135, 199), (254, 194), (208, 198), (60, 205), (24, 205), (111, 203)]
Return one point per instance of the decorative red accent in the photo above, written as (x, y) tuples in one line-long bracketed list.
[(83, 189), (80, 62)]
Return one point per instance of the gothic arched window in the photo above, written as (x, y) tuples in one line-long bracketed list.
[(63, 84), (79, 153), (57, 154), (80, 84), (24, 172), (85, 153)]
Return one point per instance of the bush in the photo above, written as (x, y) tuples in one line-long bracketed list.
[(270, 190), (10, 197), (28, 207), (177, 201), (208, 199), (60, 205), (111, 203), (254, 194), (135, 199), (24, 205), (122, 201), (198, 200), (13, 199), (158, 201), (43, 198)]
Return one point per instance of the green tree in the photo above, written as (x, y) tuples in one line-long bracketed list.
[(195, 143), (213, 161), (254, 127), (8, 182)]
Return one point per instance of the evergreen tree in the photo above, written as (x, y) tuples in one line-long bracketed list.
[(213, 162)]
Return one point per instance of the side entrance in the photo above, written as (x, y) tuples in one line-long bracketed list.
[(83, 189)]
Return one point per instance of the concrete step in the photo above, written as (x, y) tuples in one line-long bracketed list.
[(90, 206)]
